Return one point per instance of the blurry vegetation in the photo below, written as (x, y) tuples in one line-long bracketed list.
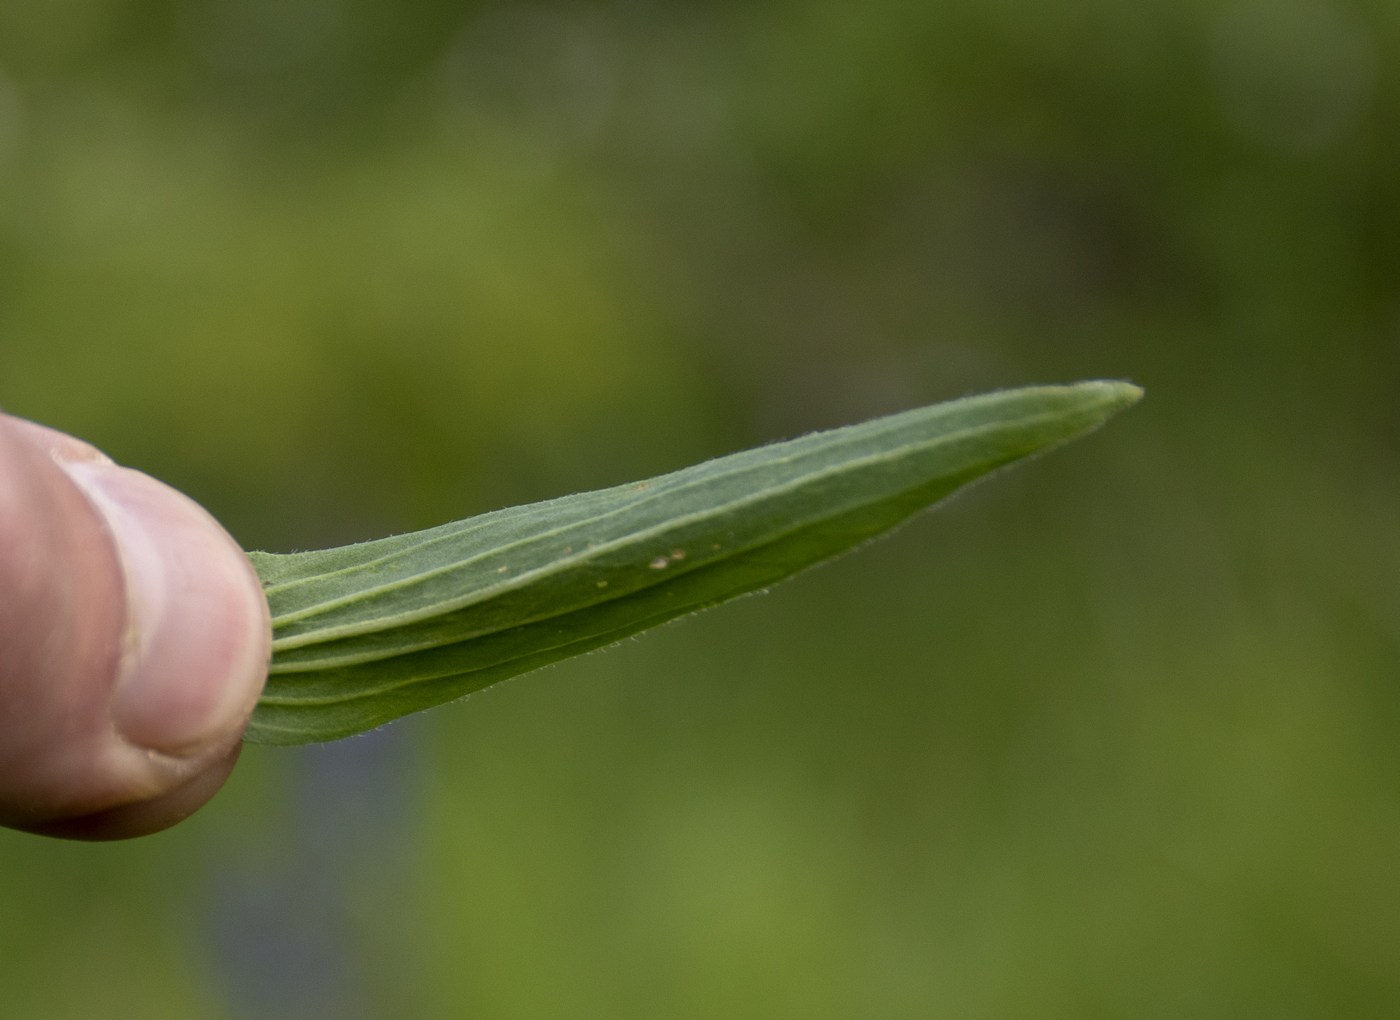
[(1114, 736)]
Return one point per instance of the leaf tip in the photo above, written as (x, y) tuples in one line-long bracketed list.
[(1116, 393)]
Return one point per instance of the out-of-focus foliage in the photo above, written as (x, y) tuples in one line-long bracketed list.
[(1116, 738)]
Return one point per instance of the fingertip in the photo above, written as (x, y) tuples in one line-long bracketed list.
[(198, 635), (136, 640)]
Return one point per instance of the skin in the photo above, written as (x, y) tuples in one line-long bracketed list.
[(134, 641)]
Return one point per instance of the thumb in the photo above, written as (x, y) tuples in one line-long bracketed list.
[(134, 641)]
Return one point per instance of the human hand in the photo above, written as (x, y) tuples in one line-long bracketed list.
[(134, 641)]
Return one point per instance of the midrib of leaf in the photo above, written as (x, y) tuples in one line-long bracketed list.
[(657, 490), (561, 564), (334, 675)]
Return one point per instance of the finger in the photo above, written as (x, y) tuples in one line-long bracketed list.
[(134, 642)]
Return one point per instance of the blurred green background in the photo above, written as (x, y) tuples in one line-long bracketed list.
[(1112, 736)]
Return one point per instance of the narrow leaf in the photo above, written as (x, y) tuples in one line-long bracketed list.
[(367, 633)]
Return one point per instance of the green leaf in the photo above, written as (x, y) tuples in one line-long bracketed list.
[(367, 633)]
